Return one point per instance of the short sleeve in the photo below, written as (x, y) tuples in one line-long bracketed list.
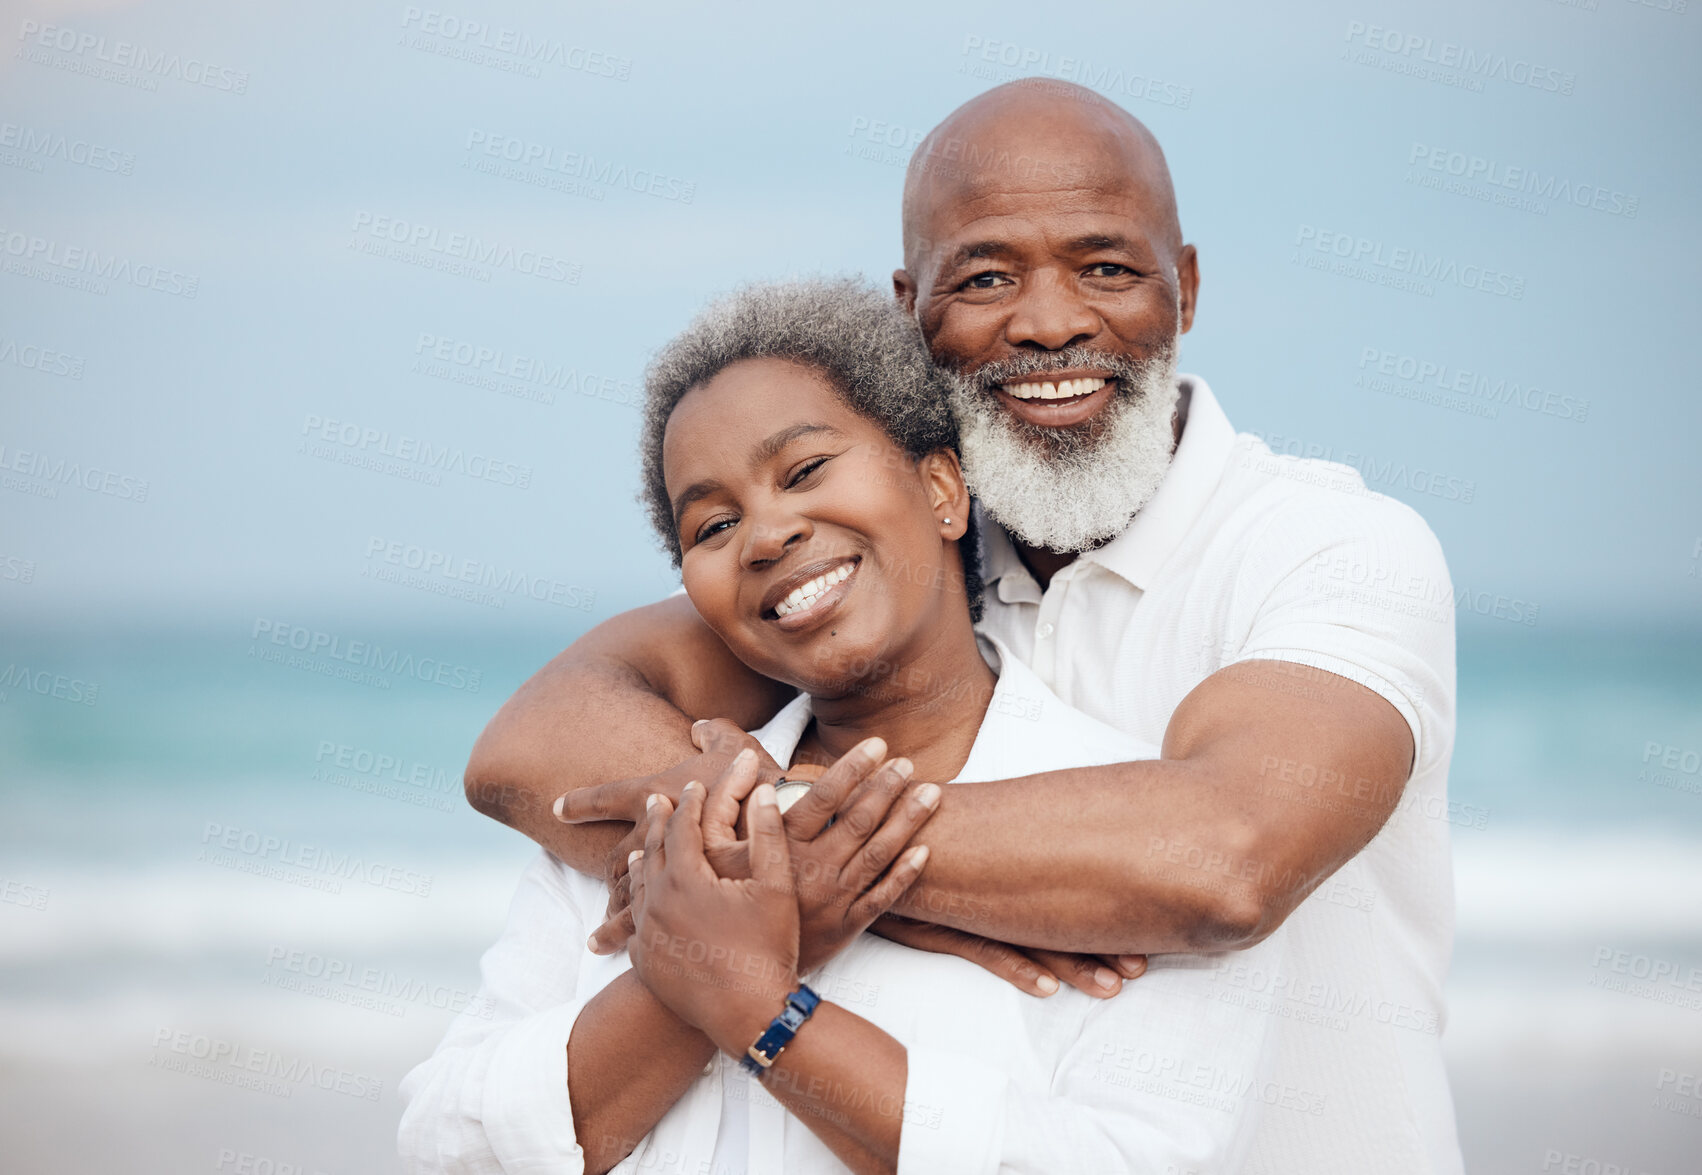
[(1355, 584)]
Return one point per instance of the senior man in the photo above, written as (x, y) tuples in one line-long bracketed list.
[(1250, 613)]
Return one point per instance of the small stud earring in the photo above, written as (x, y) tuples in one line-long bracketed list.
[(945, 521)]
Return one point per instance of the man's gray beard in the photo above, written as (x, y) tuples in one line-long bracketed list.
[(1068, 489)]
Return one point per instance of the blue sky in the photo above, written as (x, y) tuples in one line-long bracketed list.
[(675, 152)]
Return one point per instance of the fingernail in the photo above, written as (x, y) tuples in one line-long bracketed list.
[(928, 795), (919, 856), (745, 756), (1047, 985), (633, 856), (556, 807), (699, 722), (652, 800), (902, 768), (875, 748), (1133, 966), (764, 794), (690, 785), (1105, 977), (592, 945)]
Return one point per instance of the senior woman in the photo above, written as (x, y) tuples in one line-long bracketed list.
[(800, 466)]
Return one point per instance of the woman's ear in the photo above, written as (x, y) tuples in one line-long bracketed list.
[(948, 496)]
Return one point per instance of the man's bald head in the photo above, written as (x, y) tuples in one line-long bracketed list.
[(1035, 134)]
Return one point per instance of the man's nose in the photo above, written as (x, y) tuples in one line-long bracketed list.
[(1050, 314), (767, 539)]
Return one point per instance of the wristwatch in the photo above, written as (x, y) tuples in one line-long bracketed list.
[(789, 791)]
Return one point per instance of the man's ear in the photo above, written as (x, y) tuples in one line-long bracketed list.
[(948, 495), (904, 290), (1187, 284)]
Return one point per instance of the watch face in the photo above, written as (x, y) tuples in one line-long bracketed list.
[(789, 791)]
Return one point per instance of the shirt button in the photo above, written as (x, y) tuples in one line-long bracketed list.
[(1044, 631)]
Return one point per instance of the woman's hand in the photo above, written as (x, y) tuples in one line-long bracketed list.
[(722, 954), (848, 874)]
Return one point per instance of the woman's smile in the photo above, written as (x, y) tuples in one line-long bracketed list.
[(810, 593)]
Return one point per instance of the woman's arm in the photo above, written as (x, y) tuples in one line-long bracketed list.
[(723, 953), (628, 1061)]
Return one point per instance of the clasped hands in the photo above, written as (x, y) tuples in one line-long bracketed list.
[(721, 952), (851, 789)]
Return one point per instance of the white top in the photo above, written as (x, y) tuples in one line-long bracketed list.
[(1164, 1078), (1245, 555)]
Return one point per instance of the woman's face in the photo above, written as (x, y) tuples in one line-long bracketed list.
[(812, 544)]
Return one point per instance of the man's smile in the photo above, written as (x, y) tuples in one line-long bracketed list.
[(1065, 400)]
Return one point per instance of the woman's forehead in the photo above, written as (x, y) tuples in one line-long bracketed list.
[(747, 402)]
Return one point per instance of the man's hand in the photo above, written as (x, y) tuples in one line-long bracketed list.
[(1034, 971), (717, 741)]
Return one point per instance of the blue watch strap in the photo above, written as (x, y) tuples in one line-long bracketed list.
[(799, 1005)]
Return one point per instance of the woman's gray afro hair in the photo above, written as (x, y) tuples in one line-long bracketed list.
[(871, 352)]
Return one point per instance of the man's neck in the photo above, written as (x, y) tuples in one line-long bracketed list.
[(929, 709), (1044, 564)]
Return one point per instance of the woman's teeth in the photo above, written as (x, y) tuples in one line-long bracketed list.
[(802, 596), (1061, 390)]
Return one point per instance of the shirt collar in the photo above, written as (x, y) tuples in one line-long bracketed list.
[(1018, 692), (1147, 542)]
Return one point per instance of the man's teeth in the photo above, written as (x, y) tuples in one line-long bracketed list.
[(804, 595), (1061, 390)]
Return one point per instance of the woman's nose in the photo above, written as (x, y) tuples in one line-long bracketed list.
[(767, 539)]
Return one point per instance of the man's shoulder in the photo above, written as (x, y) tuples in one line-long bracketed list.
[(1282, 504)]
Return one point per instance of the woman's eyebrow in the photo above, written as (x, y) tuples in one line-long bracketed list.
[(771, 448), (767, 450)]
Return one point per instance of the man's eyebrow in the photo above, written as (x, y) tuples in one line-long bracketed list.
[(978, 251), (1094, 242), (766, 451)]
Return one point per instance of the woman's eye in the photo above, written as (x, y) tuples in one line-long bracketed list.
[(804, 471), (711, 529)]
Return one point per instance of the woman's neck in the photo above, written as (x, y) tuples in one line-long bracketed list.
[(928, 708)]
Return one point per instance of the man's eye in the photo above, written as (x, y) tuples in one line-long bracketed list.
[(710, 529), (804, 471), (1114, 269), (984, 281)]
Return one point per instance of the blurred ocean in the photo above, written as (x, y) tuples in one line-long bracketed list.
[(254, 884)]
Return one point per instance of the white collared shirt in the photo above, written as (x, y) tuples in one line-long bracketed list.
[(1245, 555), (1170, 1076)]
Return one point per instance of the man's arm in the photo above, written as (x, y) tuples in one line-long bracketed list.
[(1208, 848), (619, 702)]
